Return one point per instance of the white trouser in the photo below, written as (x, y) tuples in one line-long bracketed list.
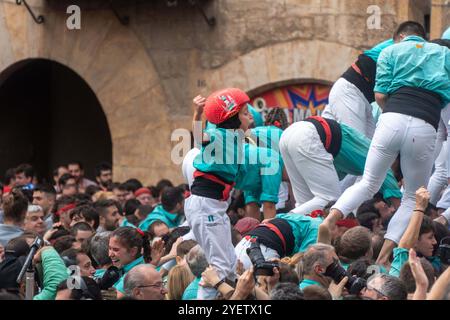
[(439, 181), (241, 253), (310, 168), (348, 105), (396, 133), (212, 229)]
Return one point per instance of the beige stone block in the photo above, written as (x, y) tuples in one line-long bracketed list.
[(117, 48), (6, 52), (17, 20), (256, 68), (233, 75), (132, 79)]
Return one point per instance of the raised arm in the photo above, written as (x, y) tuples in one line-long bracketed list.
[(411, 234)]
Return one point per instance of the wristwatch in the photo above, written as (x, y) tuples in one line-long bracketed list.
[(217, 285)]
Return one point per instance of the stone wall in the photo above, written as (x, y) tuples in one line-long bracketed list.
[(146, 74)]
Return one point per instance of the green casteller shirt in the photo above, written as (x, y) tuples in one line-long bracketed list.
[(260, 177), (223, 154), (171, 219), (55, 272), (190, 293), (304, 228), (307, 283), (268, 137), (401, 256), (119, 284), (414, 63), (375, 52), (126, 223), (352, 156)]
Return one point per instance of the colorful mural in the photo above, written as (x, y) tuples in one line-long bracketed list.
[(299, 101)]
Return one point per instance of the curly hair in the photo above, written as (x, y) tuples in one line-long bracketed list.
[(276, 117)]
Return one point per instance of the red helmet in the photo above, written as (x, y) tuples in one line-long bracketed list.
[(222, 105)]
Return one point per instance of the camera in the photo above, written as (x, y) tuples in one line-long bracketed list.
[(336, 272), (109, 278), (261, 266), (444, 250)]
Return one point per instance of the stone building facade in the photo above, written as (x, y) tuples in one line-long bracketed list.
[(144, 74)]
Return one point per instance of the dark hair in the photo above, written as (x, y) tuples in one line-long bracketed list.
[(131, 206), (162, 184), (440, 232), (151, 228), (410, 28), (81, 226), (45, 188), (377, 244), (88, 212), (354, 244), (17, 247), (15, 206), (89, 291), (134, 183), (10, 174), (77, 163), (6, 295), (69, 256), (286, 291), (91, 190), (82, 198), (277, 115), (316, 293), (63, 243), (426, 226), (64, 178), (359, 268), (59, 203), (144, 210), (238, 202), (170, 197), (102, 205), (173, 236), (288, 274), (102, 166), (231, 123), (408, 279), (55, 171), (184, 247), (126, 186), (366, 219), (61, 232), (368, 206), (130, 238), (26, 168), (442, 42)]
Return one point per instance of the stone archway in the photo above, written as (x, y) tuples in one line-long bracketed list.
[(115, 65), (284, 63), (50, 116)]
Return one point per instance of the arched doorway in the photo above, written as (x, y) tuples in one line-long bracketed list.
[(50, 116)]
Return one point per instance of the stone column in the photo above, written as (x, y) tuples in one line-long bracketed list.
[(403, 11), (439, 17)]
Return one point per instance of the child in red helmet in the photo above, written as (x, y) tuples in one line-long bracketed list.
[(217, 166)]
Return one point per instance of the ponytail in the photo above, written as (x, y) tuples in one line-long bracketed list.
[(134, 238)]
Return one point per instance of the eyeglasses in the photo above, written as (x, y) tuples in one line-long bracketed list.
[(369, 287), (156, 285)]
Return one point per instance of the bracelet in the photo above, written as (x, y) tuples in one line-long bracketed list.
[(419, 211), (217, 285)]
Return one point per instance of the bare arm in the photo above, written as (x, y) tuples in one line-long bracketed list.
[(381, 99), (440, 286), (411, 234)]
